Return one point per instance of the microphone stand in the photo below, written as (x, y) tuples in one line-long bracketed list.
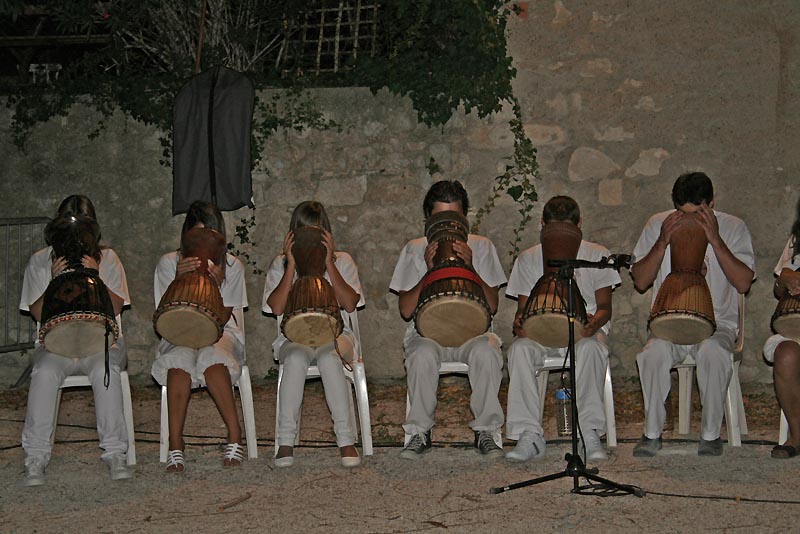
[(575, 466)]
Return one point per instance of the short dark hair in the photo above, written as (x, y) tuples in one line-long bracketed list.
[(309, 213), (694, 188), (204, 212), (445, 191), (561, 208), (75, 205)]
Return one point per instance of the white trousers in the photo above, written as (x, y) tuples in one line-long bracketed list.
[(296, 359), (714, 358), (423, 360), (526, 359), (49, 372)]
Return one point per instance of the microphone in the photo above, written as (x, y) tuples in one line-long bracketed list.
[(614, 261), (620, 261)]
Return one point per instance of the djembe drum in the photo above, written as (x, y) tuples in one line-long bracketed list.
[(77, 312), (452, 306), (545, 317), (683, 311), (313, 316), (191, 312), (786, 319)]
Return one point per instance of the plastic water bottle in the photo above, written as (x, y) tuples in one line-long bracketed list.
[(563, 412)]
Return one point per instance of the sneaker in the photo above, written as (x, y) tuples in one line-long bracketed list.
[(530, 446), (34, 473), (118, 467), (592, 446), (417, 445), (286, 458), (710, 448), (484, 444), (647, 447)]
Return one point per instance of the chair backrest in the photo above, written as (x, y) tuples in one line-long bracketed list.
[(238, 315), (352, 319), (740, 339)]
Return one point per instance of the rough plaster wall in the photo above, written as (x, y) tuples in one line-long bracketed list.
[(619, 97)]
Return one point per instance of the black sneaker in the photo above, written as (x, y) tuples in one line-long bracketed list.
[(710, 448), (647, 447), (417, 445), (484, 444)]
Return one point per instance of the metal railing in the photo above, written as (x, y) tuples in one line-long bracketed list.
[(19, 239)]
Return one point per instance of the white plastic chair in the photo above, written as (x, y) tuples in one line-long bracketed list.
[(556, 363), (246, 394), (783, 432), (735, 419), (358, 381), (127, 406), (448, 368)]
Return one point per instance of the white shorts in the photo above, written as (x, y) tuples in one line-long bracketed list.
[(772, 344), (227, 351)]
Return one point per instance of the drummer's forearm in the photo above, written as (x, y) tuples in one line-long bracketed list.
[(644, 271), (36, 309), (117, 302), (346, 296), (738, 274), (492, 296), (277, 299), (407, 302)]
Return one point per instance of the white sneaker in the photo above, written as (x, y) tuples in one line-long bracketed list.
[(34, 473), (594, 447), (118, 466), (530, 446)]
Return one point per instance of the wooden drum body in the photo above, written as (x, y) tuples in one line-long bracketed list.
[(313, 316), (545, 317), (452, 307), (76, 312), (683, 311), (191, 312)]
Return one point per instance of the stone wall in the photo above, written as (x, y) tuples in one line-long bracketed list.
[(619, 97)]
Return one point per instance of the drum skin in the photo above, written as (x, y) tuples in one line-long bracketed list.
[(312, 316), (683, 311), (191, 312), (76, 311), (545, 318)]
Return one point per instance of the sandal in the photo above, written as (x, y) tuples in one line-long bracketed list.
[(175, 462), (233, 456), (783, 452)]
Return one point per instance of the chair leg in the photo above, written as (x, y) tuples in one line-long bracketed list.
[(278, 405), (246, 394), (407, 437), (685, 385), (164, 439), (351, 391), (732, 417), (541, 378), (783, 432), (740, 402), (127, 411), (363, 408), (55, 418), (608, 402)]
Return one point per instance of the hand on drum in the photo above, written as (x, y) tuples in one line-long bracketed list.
[(670, 224), (288, 243), (463, 251), (90, 263), (330, 249), (59, 264), (517, 327), (187, 265), (791, 281), (216, 273), (709, 223), (430, 252)]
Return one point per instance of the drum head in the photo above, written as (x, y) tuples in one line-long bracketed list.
[(681, 328), (550, 329), (451, 321), (78, 339), (312, 329), (788, 325), (186, 326)]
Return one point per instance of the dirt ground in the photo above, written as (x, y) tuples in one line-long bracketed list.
[(447, 489)]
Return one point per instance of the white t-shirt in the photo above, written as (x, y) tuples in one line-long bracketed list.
[(346, 267), (786, 261), (529, 268), (411, 267), (38, 276), (233, 289), (724, 296)]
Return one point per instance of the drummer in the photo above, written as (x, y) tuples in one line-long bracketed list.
[(729, 268), (50, 370), (526, 356), (784, 351), (217, 366), (424, 356)]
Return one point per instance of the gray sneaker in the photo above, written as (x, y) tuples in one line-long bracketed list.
[(118, 466), (530, 446), (484, 444), (710, 448), (647, 447), (593, 446), (417, 445), (34, 472)]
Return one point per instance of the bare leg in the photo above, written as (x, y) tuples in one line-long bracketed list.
[(786, 373), (284, 451), (179, 387), (218, 380), (348, 451)]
